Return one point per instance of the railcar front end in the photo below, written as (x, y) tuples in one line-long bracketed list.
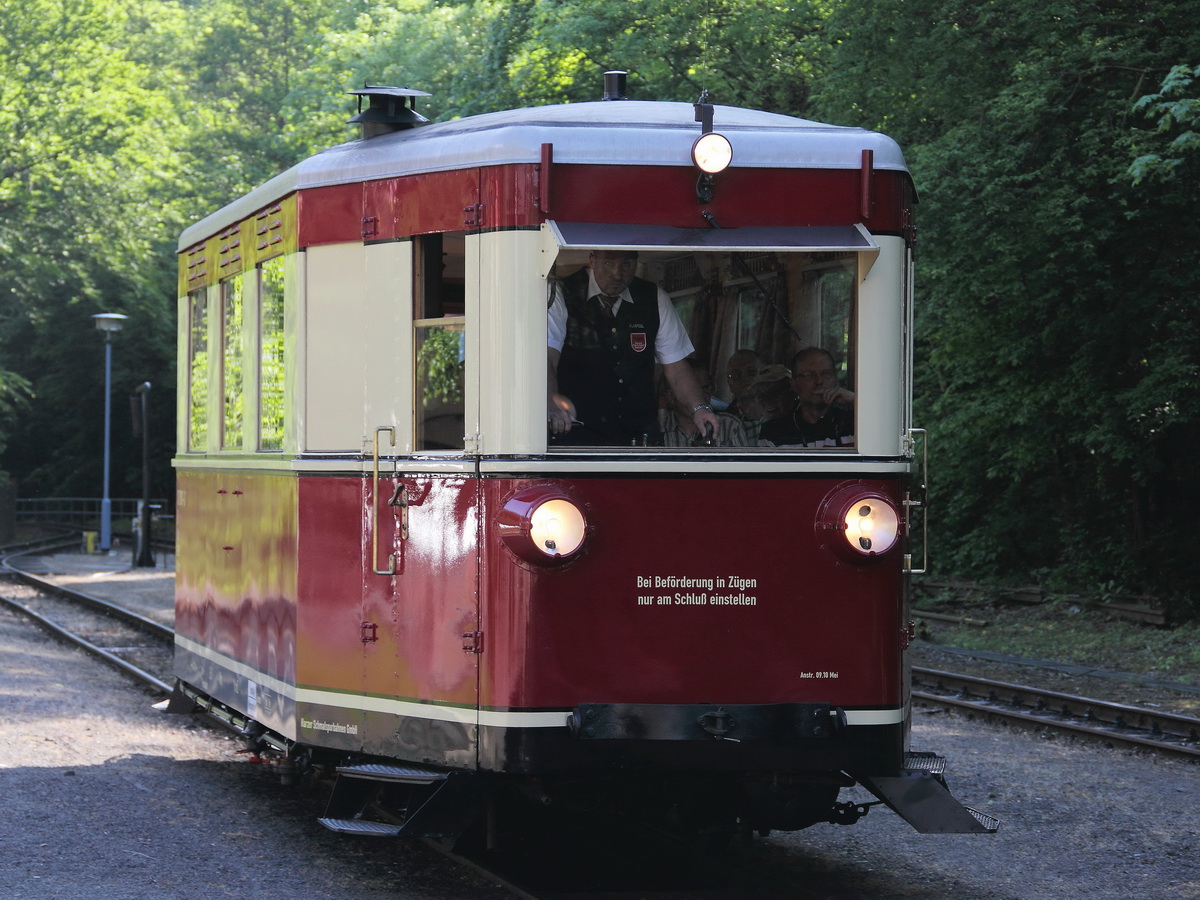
[(386, 559)]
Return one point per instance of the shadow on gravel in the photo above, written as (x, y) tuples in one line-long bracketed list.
[(141, 825)]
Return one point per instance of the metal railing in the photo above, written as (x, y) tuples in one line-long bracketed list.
[(81, 511)]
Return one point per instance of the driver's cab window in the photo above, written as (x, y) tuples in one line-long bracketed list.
[(439, 321), (765, 338)]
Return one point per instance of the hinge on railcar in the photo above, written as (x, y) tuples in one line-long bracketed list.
[(370, 632), (473, 215), (473, 641), (370, 227), (908, 228), (400, 499)]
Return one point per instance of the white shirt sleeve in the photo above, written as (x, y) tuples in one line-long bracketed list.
[(556, 322), (672, 343)]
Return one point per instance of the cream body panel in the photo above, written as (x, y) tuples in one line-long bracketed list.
[(334, 364), (511, 328), (881, 378), (383, 354)]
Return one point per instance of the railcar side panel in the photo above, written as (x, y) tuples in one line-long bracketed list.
[(236, 591)]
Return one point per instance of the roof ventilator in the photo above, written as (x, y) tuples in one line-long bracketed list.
[(390, 109)]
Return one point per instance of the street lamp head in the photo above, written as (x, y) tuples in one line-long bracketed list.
[(109, 321)]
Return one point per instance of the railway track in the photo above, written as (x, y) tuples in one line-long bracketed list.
[(1114, 724), (121, 637)]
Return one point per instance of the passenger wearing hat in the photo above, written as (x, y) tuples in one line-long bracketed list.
[(820, 417), (769, 395)]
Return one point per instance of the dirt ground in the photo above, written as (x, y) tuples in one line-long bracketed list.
[(106, 797)]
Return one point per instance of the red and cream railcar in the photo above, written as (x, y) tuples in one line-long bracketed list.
[(383, 558)]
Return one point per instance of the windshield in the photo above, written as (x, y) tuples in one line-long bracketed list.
[(738, 349)]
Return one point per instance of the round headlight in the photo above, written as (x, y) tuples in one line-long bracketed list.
[(542, 525), (872, 526), (858, 523), (712, 153)]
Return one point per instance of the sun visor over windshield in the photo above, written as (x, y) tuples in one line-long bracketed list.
[(781, 239)]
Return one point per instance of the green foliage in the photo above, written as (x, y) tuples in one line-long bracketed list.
[(15, 394), (1057, 315), (476, 57), (272, 358), (440, 365), (88, 200), (1175, 113)]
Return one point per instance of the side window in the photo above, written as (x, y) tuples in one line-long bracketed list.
[(272, 362), (231, 363), (197, 413), (439, 323)]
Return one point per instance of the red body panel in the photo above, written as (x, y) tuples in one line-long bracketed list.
[(447, 201), (245, 611), (586, 633), (419, 614), (805, 627)]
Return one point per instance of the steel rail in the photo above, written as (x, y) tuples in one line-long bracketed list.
[(141, 622), (53, 627), (1113, 722), (112, 609)]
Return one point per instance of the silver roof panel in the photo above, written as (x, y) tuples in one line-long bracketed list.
[(617, 132)]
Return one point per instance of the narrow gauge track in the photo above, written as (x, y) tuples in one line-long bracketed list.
[(137, 645), (1113, 723)]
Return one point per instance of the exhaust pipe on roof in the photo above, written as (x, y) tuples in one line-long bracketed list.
[(614, 85)]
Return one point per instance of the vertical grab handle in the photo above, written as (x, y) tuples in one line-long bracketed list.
[(391, 568), (910, 504)]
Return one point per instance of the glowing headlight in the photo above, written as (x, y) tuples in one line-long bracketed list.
[(557, 527), (872, 526), (542, 525), (859, 523), (712, 153)]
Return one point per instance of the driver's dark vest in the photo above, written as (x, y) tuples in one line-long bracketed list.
[(607, 364)]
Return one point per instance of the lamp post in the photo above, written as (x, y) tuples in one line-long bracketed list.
[(140, 401), (108, 323)]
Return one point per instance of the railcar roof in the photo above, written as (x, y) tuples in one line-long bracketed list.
[(618, 132)]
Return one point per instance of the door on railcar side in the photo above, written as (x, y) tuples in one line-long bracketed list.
[(420, 606)]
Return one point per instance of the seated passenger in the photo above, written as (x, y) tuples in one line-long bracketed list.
[(816, 420), (741, 369), (678, 427), (768, 396), (606, 329)]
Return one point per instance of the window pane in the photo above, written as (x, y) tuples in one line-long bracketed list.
[(439, 383), (836, 289), (271, 359), (747, 317), (231, 371), (198, 370)]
